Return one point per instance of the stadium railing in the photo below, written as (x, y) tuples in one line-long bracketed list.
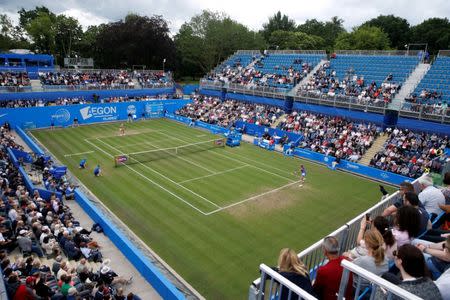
[(340, 101), (89, 87), (313, 256), (378, 52), (272, 284), (376, 283), (15, 89), (421, 112), (444, 53), (252, 52), (261, 91), (322, 52)]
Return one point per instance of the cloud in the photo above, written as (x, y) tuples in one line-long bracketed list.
[(251, 13), (85, 18)]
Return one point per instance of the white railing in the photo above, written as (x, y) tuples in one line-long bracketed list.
[(251, 52), (378, 52), (424, 112), (313, 256), (344, 101), (376, 283), (321, 52), (444, 53), (272, 284)]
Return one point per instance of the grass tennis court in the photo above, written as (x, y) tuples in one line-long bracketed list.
[(212, 215)]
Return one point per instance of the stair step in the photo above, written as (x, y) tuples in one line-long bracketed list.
[(377, 145)]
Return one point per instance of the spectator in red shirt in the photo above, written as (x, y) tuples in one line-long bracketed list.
[(329, 275), (26, 291)]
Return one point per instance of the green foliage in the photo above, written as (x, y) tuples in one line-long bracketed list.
[(397, 29), (209, 38), (363, 38), (42, 30), (26, 16), (68, 33), (11, 37), (328, 31), (295, 40), (277, 22), (435, 32), (135, 40)]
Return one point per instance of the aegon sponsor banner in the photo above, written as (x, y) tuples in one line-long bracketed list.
[(105, 113), (62, 116)]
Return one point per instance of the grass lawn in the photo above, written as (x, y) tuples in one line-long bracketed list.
[(213, 215)]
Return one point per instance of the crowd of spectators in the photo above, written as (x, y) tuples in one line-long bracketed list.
[(412, 154), (331, 135), (152, 79), (14, 79), (428, 102), (47, 229), (395, 246), (253, 77), (19, 103), (90, 79), (225, 113), (325, 83)]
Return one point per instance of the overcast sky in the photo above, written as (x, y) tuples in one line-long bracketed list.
[(251, 13)]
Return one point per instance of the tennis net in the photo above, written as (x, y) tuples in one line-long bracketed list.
[(156, 154)]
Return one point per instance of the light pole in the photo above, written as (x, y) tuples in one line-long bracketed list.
[(164, 62)]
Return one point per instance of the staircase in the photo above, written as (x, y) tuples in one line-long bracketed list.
[(409, 86), (137, 85), (281, 118), (293, 92), (377, 145), (36, 85)]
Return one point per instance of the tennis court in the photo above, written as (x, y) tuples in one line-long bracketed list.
[(212, 214)]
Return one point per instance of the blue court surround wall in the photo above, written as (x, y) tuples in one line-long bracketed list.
[(36, 117)]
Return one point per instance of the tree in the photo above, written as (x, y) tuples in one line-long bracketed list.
[(26, 16), (277, 22), (11, 36), (328, 31), (363, 38), (87, 46), (397, 29), (41, 29), (135, 40), (68, 33), (295, 40), (435, 32), (210, 37)]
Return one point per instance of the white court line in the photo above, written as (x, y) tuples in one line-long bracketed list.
[(143, 143), (217, 173), (251, 198), (79, 153), (163, 176), (148, 179), (261, 169), (176, 156), (236, 154)]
